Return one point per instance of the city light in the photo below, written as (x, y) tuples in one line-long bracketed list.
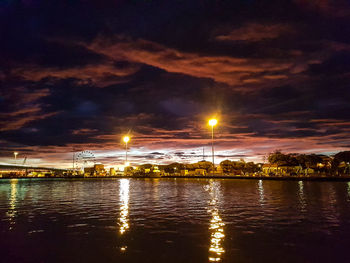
[(126, 139), (213, 122)]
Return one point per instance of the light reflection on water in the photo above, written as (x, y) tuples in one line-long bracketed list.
[(124, 209), (261, 192), (167, 220), (332, 213), (301, 196), (216, 227), (13, 199)]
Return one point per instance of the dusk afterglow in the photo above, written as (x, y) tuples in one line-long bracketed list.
[(176, 131)]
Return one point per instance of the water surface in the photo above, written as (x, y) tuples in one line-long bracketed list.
[(174, 220)]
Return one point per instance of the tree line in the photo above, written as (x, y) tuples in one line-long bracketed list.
[(337, 164)]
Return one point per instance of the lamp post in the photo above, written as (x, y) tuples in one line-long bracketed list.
[(126, 139), (15, 154), (212, 123)]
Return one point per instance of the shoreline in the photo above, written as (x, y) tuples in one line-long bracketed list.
[(275, 178)]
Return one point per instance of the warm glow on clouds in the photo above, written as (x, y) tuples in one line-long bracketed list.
[(102, 74), (230, 70), (255, 32)]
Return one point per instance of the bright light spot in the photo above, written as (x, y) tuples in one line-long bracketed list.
[(261, 192), (13, 198), (126, 139), (216, 226), (124, 209), (127, 164), (213, 122), (301, 196)]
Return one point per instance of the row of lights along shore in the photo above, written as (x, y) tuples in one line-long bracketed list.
[(212, 122)]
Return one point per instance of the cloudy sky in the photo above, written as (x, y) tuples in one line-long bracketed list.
[(77, 75)]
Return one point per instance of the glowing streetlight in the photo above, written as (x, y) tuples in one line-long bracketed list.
[(126, 139), (212, 123), (15, 154)]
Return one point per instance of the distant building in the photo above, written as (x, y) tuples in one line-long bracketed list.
[(184, 172), (89, 171), (156, 169), (197, 171), (99, 168), (200, 172), (96, 170), (112, 171), (285, 169), (276, 169), (219, 170)]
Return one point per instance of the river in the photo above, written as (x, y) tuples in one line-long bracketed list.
[(174, 220)]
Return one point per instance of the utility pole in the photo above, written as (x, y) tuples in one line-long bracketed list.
[(73, 168), (212, 145), (212, 123)]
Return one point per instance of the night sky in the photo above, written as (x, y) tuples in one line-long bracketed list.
[(78, 75)]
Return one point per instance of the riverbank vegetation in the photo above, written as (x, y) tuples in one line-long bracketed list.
[(277, 164)]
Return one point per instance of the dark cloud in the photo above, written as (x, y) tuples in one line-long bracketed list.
[(337, 64)]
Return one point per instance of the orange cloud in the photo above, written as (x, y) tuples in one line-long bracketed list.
[(27, 108), (18, 123), (255, 32), (101, 74), (230, 70)]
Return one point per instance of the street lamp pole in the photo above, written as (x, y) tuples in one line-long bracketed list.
[(126, 152), (15, 153), (126, 139), (212, 145), (212, 123)]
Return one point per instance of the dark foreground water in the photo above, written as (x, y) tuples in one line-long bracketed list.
[(174, 220)]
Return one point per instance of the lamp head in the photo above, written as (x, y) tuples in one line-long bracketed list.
[(126, 139), (213, 122)]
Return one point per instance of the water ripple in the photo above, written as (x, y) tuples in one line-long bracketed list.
[(183, 220)]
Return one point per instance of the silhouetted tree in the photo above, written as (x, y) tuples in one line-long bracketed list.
[(277, 157), (205, 165), (341, 157), (251, 167), (227, 166), (173, 167)]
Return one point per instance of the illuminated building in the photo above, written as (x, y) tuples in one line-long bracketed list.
[(112, 171), (96, 170)]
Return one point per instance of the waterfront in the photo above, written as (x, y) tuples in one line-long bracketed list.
[(174, 220)]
